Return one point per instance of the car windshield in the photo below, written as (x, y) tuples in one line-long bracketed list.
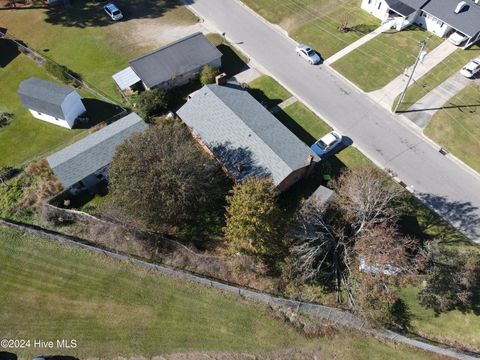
[(116, 12), (321, 144)]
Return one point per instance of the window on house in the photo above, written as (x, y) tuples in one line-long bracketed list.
[(379, 5)]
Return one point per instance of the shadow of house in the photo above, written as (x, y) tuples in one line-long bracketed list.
[(232, 64), (97, 111), (8, 52), (85, 14), (4, 355), (463, 215)]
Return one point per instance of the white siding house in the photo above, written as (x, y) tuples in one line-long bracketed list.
[(441, 17), (57, 104)]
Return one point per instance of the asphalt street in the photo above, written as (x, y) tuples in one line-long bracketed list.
[(449, 188)]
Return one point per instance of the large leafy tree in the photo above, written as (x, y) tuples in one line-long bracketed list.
[(162, 178), (254, 219)]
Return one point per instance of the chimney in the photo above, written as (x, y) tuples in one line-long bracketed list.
[(221, 79), (310, 166)]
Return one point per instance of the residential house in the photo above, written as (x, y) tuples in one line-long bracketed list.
[(85, 163), (441, 17), (50, 102), (245, 137), (172, 65)]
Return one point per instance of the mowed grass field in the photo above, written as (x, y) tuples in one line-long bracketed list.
[(383, 58), (51, 291), (25, 136), (316, 22), (457, 126), (85, 40)]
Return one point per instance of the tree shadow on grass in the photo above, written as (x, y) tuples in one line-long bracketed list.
[(8, 52), (83, 14), (463, 215)]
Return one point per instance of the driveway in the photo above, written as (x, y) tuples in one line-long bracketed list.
[(449, 188), (422, 111)]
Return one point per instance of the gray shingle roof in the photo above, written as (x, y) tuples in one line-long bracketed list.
[(400, 7), (238, 130), (92, 153), (43, 96), (467, 21), (177, 58)]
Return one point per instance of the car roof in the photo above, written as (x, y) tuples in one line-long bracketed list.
[(472, 65), (329, 138), (111, 6)]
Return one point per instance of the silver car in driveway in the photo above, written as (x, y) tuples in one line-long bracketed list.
[(308, 54), (113, 11)]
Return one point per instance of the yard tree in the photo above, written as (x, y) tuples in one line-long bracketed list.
[(161, 178), (321, 247), (254, 219), (208, 74), (330, 241), (452, 280), (152, 102), (364, 195)]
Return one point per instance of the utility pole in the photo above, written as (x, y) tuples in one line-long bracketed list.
[(420, 55)]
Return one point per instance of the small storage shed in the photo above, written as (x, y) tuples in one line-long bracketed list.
[(50, 102)]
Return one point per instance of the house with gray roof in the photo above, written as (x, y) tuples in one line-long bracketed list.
[(172, 65), (51, 102), (245, 137), (85, 163), (458, 20)]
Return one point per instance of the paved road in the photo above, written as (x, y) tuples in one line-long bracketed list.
[(450, 189)]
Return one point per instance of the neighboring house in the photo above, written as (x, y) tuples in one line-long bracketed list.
[(245, 137), (85, 163), (441, 17), (50, 102), (172, 65)]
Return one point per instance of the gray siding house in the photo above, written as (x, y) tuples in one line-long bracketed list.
[(245, 137), (85, 163), (172, 65)]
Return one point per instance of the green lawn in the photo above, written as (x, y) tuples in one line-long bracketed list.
[(453, 327), (82, 37), (380, 60), (451, 65), (268, 91), (316, 22), (457, 126), (111, 308), (26, 137)]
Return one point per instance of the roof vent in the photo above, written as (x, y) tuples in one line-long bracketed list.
[(461, 5)]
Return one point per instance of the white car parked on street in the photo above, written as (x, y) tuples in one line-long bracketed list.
[(327, 143), (113, 11), (471, 68), (308, 54)]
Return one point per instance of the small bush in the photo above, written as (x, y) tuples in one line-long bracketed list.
[(208, 74), (151, 103), (59, 71), (5, 119)]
